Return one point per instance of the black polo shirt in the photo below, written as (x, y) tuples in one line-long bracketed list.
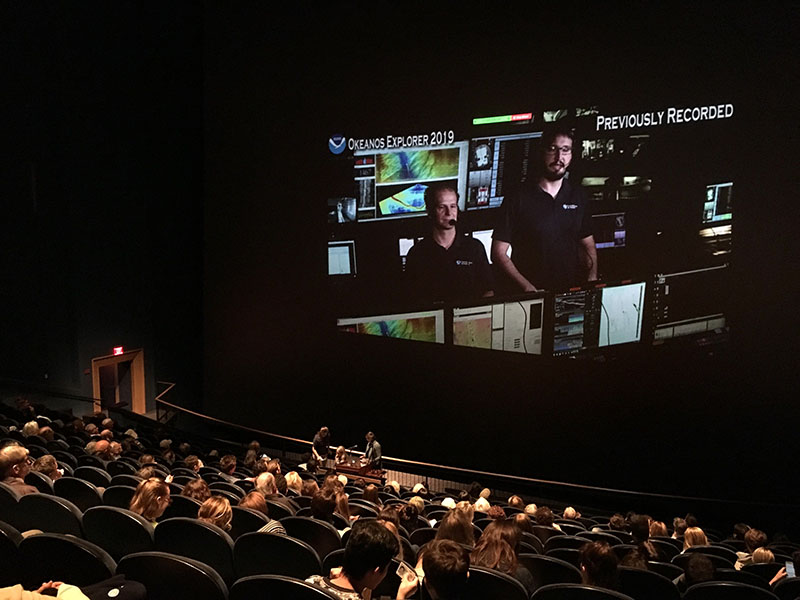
[(459, 272), (545, 234)]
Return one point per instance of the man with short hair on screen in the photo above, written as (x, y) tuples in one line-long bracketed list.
[(547, 224), (447, 265)]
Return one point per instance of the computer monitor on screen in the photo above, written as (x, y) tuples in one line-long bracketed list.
[(609, 230), (718, 204), (592, 318), (510, 326), (421, 326), (686, 303), (342, 258)]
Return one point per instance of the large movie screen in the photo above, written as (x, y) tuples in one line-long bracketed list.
[(574, 231)]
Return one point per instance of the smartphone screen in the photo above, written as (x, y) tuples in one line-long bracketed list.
[(790, 568)]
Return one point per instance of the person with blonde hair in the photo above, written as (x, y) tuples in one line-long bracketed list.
[(571, 513), (216, 511), (341, 455), (151, 499), (530, 510), (417, 503), (294, 482), (763, 555), (15, 464), (47, 465), (30, 428), (694, 536), (482, 505)]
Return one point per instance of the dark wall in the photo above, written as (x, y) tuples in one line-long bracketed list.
[(276, 84), (101, 190)]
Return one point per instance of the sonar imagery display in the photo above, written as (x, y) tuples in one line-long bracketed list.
[(474, 331), (426, 326), (416, 165), (405, 200)]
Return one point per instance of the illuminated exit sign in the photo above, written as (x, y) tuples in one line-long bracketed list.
[(118, 350), (503, 119)]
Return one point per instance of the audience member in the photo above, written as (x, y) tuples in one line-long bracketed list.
[(15, 464), (151, 499), (227, 465), (446, 566), (658, 529), (753, 539), (497, 549), (47, 465), (678, 527), (496, 512), (530, 510), (294, 482), (408, 517), (217, 511), (699, 568), (544, 516), (197, 489), (47, 433), (371, 494), (640, 530), (457, 526), (310, 487), (617, 522), (193, 463), (366, 561), (763, 555), (30, 428), (482, 505), (694, 536), (634, 559), (255, 501), (599, 565), (265, 483), (516, 502), (523, 522), (571, 513)]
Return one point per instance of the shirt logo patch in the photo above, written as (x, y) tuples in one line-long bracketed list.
[(464, 263), (569, 206)]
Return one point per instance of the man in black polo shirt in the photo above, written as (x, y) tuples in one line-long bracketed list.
[(547, 225), (447, 265)]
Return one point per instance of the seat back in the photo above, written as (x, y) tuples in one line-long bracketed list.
[(742, 577), (57, 557), (182, 506), (40, 481), (603, 536), (570, 555), (321, 536), (80, 492), (246, 520), (667, 550), (764, 570), (118, 531), (575, 591), (8, 504), (48, 513), (728, 555), (124, 479), (278, 511), (488, 583), (96, 475), (119, 496), (167, 576), (548, 569), (787, 588), (422, 536), (120, 467), (646, 585), (544, 533), (683, 559), (269, 554), (277, 586), (228, 487), (89, 460), (65, 457), (726, 590), (198, 540), (333, 560), (10, 556), (533, 541), (565, 541)]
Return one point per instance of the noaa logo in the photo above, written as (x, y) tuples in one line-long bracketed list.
[(337, 143), (569, 206)]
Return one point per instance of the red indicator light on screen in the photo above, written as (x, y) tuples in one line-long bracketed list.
[(522, 117), (118, 350)]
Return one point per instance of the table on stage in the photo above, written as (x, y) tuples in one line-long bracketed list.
[(367, 473)]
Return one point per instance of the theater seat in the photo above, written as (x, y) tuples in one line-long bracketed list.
[(547, 569), (10, 557), (120, 467), (666, 550), (787, 588), (646, 585), (668, 570), (48, 513), (278, 587), (570, 555), (119, 496), (246, 520), (96, 475), (726, 590), (320, 535), (764, 570), (719, 563), (198, 540), (544, 533), (56, 557), (167, 576), (741, 577), (574, 591), (182, 506), (422, 536), (80, 492), (565, 541), (118, 531), (40, 481), (270, 554), (488, 583)]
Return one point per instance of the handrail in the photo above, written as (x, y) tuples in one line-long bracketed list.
[(472, 472), (44, 389)]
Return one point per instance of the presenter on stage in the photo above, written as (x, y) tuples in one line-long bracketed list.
[(373, 451), (447, 265), (320, 446), (547, 223)]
